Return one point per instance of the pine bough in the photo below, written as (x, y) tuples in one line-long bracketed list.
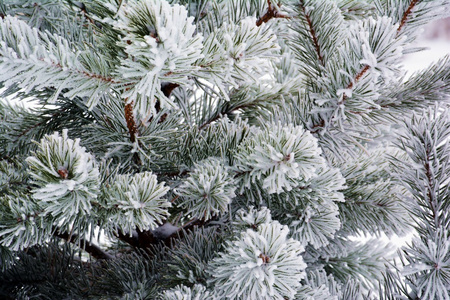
[(194, 149)]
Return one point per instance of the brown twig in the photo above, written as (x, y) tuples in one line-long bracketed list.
[(271, 12), (175, 199), (406, 15), (313, 33), (351, 84), (146, 239), (358, 76), (132, 128), (317, 127), (131, 123), (166, 88)]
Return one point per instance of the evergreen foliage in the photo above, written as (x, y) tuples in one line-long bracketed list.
[(222, 149)]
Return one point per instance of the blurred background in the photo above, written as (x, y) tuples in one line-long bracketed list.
[(435, 37)]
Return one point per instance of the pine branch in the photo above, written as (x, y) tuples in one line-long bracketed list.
[(313, 32), (239, 101), (429, 187), (20, 125), (245, 130), (422, 89), (167, 89), (43, 122), (406, 14), (92, 249), (44, 60)]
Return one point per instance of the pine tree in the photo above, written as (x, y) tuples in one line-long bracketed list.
[(222, 149)]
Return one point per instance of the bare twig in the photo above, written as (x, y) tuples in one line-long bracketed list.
[(271, 12), (146, 239), (175, 199), (92, 249), (351, 84), (317, 127), (166, 88), (131, 123)]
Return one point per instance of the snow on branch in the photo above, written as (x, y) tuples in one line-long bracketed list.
[(135, 202), (208, 190), (67, 178), (37, 60), (260, 264), (162, 45), (235, 54), (279, 156)]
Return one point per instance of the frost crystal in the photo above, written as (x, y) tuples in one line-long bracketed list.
[(262, 264), (310, 210)]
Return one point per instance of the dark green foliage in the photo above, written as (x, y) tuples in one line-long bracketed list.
[(189, 258), (53, 271)]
